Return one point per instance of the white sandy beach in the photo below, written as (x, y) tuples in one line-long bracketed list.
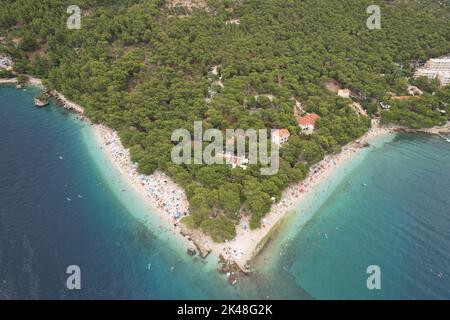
[(8, 81), (242, 249), (164, 196), (32, 81), (168, 200)]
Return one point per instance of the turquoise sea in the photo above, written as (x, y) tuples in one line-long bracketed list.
[(62, 204)]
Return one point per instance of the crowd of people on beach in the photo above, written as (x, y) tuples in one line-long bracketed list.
[(170, 200), (321, 171), (243, 246), (163, 194)]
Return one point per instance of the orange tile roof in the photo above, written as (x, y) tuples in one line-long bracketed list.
[(282, 133), (404, 97), (308, 119)]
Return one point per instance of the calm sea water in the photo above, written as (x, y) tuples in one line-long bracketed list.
[(57, 209), (391, 210), (62, 204)]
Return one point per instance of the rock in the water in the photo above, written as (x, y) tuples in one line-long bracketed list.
[(232, 279), (191, 251)]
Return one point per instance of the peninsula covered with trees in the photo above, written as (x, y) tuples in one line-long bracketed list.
[(148, 67)]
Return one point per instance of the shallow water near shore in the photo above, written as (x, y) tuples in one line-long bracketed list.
[(63, 203), (391, 210)]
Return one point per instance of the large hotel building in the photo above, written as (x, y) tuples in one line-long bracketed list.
[(436, 68)]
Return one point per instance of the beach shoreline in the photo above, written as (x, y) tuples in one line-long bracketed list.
[(168, 200), (31, 81), (248, 244)]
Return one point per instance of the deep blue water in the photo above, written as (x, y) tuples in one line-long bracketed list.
[(59, 208), (42, 231)]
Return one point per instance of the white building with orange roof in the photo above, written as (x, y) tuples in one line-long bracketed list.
[(308, 123), (233, 160), (280, 136)]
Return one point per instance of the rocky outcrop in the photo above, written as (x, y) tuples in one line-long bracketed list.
[(232, 270), (72, 107), (41, 100), (196, 238), (191, 251)]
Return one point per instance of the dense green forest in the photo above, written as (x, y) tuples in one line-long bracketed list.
[(142, 68)]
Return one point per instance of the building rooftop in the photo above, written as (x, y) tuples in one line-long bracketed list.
[(309, 119), (446, 57), (282, 133), (404, 97)]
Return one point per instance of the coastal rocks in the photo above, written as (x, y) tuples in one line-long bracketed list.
[(196, 239), (191, 251), (232, 279), (66, 104), (227, 266), (41, 100), (231, 269)]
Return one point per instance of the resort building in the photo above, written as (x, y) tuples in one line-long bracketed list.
[(439, 64), (444, 78), (308, 123), (344, 93), (6, 63), (280, 136), (436, 69), (233, 160)]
